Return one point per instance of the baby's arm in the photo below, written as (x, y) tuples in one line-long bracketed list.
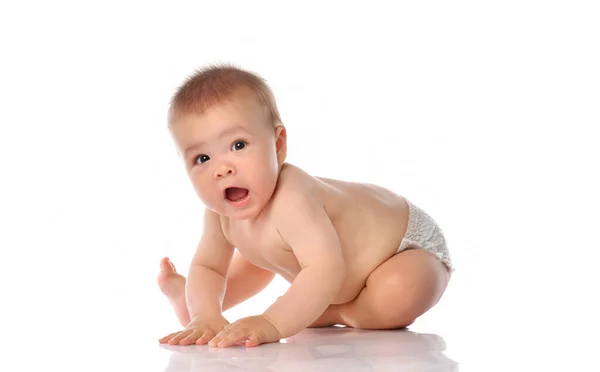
[(205, 286), (304, 224)]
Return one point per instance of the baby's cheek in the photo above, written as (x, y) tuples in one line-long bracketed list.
[(207, 196)]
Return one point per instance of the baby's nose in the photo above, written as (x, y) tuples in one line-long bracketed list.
[(224, 170)]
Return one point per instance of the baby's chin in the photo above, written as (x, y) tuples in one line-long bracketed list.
[(235, 213), (241, 216)]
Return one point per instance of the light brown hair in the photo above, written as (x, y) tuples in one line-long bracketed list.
[(217, 83)]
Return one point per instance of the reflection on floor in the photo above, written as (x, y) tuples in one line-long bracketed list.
[(324, 349)]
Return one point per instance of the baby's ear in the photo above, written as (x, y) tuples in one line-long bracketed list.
[(281, 143)]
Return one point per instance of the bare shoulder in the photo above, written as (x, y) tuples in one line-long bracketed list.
[(291, 175), (295, 188), (213, 224), (301, 220), (298, 205), (215, 230)]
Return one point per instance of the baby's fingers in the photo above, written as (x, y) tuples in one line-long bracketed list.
[(230, 338), (207, 336), (166, 339), (191, 338), (175, 340)]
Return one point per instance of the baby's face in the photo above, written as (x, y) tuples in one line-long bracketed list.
[(230, 156)]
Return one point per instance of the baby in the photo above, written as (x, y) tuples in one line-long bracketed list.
[(355, 254)]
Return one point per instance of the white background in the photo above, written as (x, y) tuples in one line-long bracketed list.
[(484, 114)]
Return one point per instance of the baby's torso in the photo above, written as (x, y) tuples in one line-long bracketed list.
[(370, 222)]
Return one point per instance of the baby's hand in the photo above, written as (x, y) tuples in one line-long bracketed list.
[(251, 331), (199, 331)]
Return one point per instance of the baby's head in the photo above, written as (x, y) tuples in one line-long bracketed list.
[(226, 125)]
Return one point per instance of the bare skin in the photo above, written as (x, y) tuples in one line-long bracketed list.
[(334, 241), (244, 281), (370, 222)]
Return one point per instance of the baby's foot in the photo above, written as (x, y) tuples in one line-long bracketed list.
[(172, 285)]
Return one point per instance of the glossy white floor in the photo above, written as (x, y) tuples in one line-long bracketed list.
[(480, 325), (332, 349)]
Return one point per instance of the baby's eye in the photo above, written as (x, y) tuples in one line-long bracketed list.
[(238, 145), (201, 159)]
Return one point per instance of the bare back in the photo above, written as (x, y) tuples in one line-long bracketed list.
[(370, 222)]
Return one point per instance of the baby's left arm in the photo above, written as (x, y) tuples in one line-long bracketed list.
[(304, 225)]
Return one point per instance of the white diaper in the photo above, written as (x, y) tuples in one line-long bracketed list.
[(424, 233)]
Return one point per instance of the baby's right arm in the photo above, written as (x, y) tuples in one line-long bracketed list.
[(205, 286)]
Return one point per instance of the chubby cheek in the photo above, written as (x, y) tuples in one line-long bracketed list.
[(268, 158), (265, 176), (203, 190)]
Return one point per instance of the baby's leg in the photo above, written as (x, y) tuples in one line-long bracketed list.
[(172, 284), (244, 280), (398, 292)]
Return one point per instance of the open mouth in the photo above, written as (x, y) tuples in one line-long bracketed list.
[(236, 194)]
